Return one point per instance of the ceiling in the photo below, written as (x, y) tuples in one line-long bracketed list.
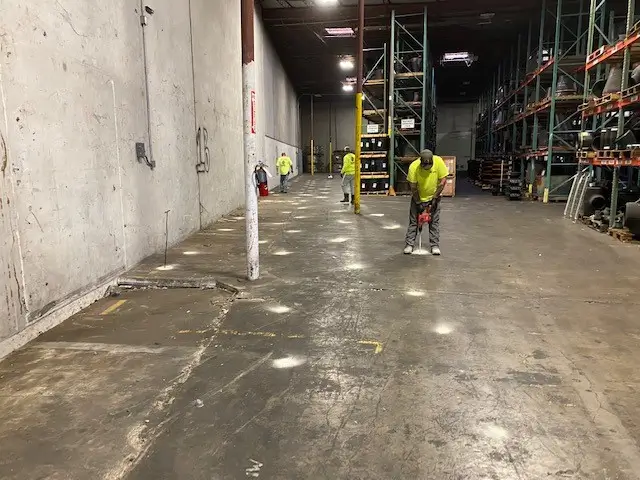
[(487, 28)]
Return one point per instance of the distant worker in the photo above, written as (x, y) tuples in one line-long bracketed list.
[(348, 173), (285, 167), (427, 178)]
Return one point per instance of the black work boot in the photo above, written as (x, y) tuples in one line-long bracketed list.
[(345, 199), (352, 199)]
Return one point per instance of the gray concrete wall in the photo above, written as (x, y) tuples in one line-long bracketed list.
[(76, 207), (455, 129), (277, 107), (332, 120)]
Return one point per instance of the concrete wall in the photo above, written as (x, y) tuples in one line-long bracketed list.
[(76, 207), (455, 129), (333, 120), (277, 108)]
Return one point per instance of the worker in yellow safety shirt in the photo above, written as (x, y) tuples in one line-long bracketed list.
[(348, 173), (427, 178), (285, 167)]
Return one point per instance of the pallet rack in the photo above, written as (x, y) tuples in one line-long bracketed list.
[(374, 164), (525, 118), (399, 105), (412, 100), (599, 112)]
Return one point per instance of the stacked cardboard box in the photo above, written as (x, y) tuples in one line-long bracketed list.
[(450, 187)]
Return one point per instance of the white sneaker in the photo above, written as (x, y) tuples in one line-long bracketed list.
[(435, 250), (408, 250)]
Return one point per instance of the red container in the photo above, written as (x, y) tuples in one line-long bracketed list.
[(263, 188)]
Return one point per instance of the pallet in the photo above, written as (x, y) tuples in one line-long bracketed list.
[(383, 192), (617, 154), (622, 234)]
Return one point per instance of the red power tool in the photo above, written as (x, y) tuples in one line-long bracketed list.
[(424, 218)]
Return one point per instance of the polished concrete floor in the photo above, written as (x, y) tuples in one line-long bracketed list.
[(513, 356)]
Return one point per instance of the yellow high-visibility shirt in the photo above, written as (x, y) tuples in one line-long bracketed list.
[(284, 164), (348, 164), (427, 180)]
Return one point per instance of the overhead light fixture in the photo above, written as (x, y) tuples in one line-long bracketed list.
[(346, 63), (327, 3), (458, 57), (347, 87), (340, 32)]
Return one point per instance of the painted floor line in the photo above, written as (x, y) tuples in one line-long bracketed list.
[(113, 307), (105, 347), (378, 345)]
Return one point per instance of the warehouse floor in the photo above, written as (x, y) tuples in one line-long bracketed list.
[(512, 356)]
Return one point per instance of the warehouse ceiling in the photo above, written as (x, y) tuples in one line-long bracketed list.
[(486, 28)]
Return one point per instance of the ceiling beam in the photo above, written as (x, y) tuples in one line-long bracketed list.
[(436, 11)]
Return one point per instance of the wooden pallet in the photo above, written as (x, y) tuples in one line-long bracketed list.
[(383, 192), (622, 234)]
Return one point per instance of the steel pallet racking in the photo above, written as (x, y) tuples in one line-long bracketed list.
[(374, 143), (412, 96), (526, 119), (613, 108)]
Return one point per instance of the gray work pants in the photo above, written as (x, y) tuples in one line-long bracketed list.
[(348, 182), (434, 227), (283, 182)]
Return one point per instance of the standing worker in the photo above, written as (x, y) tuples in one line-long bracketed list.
[(348, 173), (285, 167), (427, 178)]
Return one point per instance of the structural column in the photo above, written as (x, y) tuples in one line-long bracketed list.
[(356, 190), (249, 137)]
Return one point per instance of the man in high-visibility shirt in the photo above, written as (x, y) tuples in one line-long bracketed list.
[(285, 167), (427, 178), (348, 173)]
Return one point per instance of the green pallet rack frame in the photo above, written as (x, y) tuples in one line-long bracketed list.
[(403, 80)]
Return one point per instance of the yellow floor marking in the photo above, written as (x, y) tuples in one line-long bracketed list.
[(378, 345), (237, 333), (113, 307)]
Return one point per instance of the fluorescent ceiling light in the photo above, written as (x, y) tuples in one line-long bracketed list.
[(458, 57), (340, 32), (346, 64), (347, 87), (325, 3)]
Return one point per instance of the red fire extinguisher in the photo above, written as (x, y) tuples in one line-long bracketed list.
[(262, 180)]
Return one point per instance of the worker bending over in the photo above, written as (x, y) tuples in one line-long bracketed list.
[(285, 167), (427, 178), (348, 173)]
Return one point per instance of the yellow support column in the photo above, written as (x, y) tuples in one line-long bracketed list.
[(356, 187), (356, 190)]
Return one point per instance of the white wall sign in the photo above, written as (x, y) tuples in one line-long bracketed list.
[(407, 123)]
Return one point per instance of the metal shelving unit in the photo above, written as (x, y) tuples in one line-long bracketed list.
[(617, 156), (412, 96), (374, 163), (530, 115)]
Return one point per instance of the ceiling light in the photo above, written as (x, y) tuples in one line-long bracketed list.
[(347, 87), (340, 32), (326, 3), (346, 64), (458, 57)]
